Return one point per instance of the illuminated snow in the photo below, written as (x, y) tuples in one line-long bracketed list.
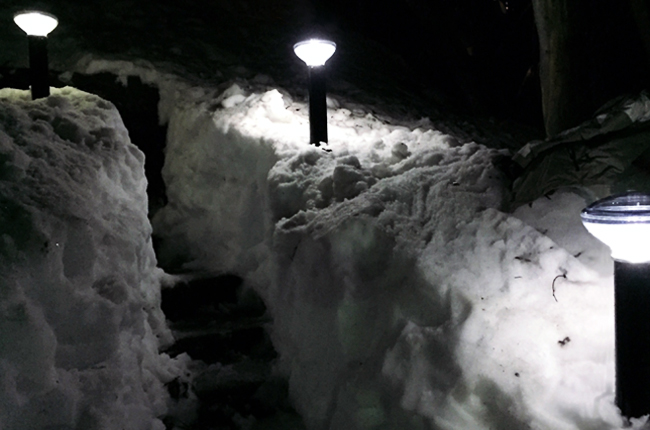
[(80, 318), (403, 294)]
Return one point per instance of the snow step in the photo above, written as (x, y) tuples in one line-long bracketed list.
[(204, 300), (237, 379), (191, 329), (222, 327), (226, 346), (245, 389)]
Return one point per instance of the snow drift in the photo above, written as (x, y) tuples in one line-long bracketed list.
[(80, 318), (403, 295)]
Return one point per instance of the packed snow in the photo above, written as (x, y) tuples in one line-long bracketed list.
[(80, 318), (403, 290)]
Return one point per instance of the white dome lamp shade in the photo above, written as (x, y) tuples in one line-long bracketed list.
[(37, 25), (623, 223), (315, 53)]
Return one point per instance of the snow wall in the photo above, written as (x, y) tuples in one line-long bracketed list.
[(80, 318), (402, 295)]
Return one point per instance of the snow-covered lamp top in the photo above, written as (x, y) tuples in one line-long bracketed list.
[(314, 52), (36, 23), (621, 222)]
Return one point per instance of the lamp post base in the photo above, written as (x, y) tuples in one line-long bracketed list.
[(632, 309)]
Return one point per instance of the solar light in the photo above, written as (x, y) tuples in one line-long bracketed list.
[(315, 52), (623, 223), (37, 25)]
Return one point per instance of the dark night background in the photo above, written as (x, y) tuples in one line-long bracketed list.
[(473, 57), (481, 57)]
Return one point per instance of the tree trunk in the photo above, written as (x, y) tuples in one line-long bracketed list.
[(559, 75), (641, 13)]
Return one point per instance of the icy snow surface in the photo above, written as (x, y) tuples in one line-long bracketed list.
[(403, 295), (80, 318)]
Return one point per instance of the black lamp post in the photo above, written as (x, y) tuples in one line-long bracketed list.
[(37, 25), (623, 223), (315, 52)]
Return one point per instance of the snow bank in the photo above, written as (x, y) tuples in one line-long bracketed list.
[(402, 295), (216, 186), (413, 304), (80, 318)]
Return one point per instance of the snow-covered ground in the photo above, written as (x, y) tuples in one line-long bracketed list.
[(402, 294), (405, 291)]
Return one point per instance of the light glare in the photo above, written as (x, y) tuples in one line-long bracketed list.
[(628, 242), (36, 23), (621, 222), (314, 52)]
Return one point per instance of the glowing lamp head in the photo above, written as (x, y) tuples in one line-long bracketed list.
[(314, 52), (36, 23), (621, 222)]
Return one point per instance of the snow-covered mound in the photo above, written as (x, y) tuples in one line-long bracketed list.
[(80, 318), (403, 295)]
